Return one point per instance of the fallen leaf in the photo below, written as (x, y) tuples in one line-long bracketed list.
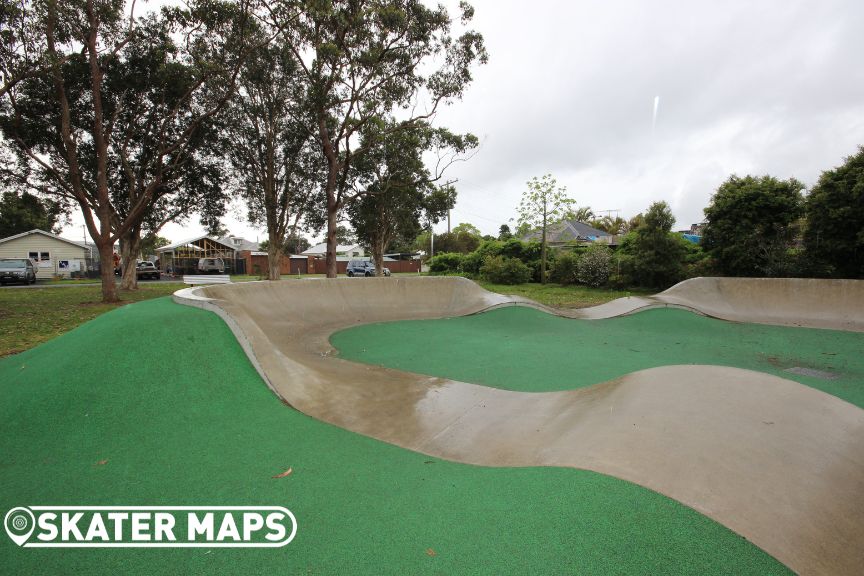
[(285, 473), (102, 462), (430, 552)]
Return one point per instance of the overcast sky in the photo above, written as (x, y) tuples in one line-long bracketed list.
[(746, 87)]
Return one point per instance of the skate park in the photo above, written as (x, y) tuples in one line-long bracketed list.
[(777, 461)]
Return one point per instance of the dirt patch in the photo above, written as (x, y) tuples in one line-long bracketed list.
[(113, 304)]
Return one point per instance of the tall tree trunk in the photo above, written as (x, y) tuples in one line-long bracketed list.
[(106, 269), (274, 255), (331, 153), (130, 245), (378, 255), (332, 211)]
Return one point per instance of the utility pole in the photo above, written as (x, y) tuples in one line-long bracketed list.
[(448, 221)]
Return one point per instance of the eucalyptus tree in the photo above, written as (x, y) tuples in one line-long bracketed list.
[(395, 193), (268, 134), (362, 60), (118, 119)]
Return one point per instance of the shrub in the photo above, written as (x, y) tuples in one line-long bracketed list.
[(595, 266), (471, 263), (564, 271), (446, 263), (500, 270)]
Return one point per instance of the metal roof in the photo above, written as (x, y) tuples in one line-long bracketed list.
[(567, 231)]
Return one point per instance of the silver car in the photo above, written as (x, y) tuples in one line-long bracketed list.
[(17, 270)]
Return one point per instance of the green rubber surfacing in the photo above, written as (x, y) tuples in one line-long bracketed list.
[(524, 349), (165, 394)]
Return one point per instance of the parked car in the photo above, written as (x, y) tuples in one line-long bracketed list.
[(363, 268), (211, 266), (17, 270), (147, 270)]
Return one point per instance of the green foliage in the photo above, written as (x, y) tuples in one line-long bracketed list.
[(400, 191), (462, 241), (697, 262), (565, 270), (504, 232), (150, 242), (293, 244), (653, 256), (752, 224), (834, 238), (446, 263), (616, 225), (501, 270), (595, 266), (468, 228), (25, 212), (581, 214), (471, 263)]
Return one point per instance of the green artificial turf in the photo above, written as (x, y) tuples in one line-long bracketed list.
[(520, 348), (155, 404)]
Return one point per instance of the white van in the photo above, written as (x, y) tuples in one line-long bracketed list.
[(211, 266)]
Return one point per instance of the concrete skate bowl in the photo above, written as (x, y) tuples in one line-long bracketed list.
[(776, 461)]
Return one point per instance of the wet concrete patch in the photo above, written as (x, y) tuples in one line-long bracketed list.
[(813, 373)]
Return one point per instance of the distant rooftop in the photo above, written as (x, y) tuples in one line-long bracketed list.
[(567, 231)]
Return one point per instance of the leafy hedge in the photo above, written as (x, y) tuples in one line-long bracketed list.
[(501, 270)]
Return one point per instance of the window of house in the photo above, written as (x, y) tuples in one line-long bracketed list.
[(39, 256)]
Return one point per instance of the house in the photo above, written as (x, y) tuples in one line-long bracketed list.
[(53, 255), (346, 251), (182, 257), (566, 232), (240, 244)]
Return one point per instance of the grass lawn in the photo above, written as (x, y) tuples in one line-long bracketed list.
[(155, 404), (30, 316), (560, 296), (509, 347)]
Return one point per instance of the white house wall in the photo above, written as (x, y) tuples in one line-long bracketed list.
[(57, 251)]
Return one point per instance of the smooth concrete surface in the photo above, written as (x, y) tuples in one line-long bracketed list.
[(780, 463)]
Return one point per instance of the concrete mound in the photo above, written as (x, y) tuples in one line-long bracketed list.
[(778, 462)]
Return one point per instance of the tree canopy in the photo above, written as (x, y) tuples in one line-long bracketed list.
[(24, 212), (361, 62), (118, 117), (399, 193), (834, 236), (655, 254), (752, 222)]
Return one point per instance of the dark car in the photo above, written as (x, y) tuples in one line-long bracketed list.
[(17, 270), (363, 268)]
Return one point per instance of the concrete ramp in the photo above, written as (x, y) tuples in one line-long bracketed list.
[(778, 462), (836, 304)]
